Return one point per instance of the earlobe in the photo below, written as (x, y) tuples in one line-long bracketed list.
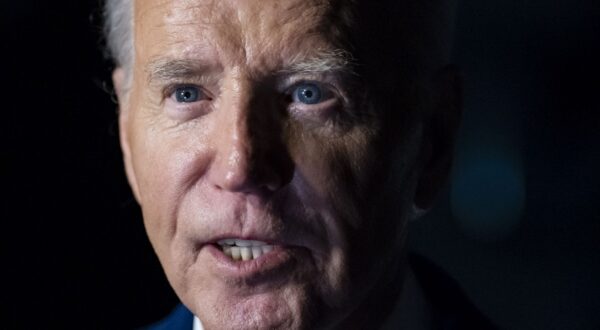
[(439, 135), (119, 83)]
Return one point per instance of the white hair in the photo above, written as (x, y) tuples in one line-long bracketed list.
[(118, 31)]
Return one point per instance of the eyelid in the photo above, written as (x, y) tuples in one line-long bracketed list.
[(336, 81), (185, 111)]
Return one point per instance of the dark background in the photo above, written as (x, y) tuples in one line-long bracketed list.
[(518, 226)]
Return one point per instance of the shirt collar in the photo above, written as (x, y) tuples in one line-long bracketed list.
[(197, 324)]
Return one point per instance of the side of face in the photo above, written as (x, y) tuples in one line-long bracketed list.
[(245, 132)]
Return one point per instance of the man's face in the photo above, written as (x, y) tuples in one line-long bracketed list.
[(259, 163)]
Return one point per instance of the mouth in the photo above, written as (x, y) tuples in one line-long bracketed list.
[(244, 250), (253, 261)]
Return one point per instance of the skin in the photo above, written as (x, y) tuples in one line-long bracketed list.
[(330, 184)]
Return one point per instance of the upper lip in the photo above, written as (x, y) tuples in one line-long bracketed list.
[(259, 224)]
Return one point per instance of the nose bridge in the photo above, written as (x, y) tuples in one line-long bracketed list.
[(235, 151), (250, 149)]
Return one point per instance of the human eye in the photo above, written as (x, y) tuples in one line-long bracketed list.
[(314, 101), (309, 93), (317, 104), (188, 94), (186, 101)]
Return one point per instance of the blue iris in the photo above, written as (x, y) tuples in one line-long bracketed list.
[(308, 94), (187, 94)]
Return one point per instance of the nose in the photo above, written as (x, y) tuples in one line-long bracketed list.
[(251, 154)]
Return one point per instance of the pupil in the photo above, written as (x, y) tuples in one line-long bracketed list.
[(187, 94), (308, 93)]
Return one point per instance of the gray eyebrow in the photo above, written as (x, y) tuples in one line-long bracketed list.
[(166, 69), (322, 61)]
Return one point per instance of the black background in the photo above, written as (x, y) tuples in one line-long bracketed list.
[(74, 251)]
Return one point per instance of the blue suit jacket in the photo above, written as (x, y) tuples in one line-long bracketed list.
[(179, 319)]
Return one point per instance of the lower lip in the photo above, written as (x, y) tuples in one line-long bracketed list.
[(277, 262)]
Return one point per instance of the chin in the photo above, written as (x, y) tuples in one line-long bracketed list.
[(285, 307), (294, 295)]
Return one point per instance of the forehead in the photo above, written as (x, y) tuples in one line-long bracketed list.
[(257, 33)]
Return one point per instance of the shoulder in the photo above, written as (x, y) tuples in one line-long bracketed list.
[(179, 319), (452, 309)]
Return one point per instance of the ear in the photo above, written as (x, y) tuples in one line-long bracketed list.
[(439, 135), (119, 81)]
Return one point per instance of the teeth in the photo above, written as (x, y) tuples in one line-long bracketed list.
[(227, 250), (235, 253), (240, 249), (246, 253), (243, 243), (240, 242), (256, 252)]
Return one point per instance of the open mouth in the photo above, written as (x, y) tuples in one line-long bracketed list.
[(244, 250)]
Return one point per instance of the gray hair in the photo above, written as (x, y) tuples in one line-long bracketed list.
[(118, 31)]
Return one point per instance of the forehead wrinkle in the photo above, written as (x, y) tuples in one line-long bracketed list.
[(303, 41), (298, 23), (281, 35), (171, 14), (196, 29), (217, 30)]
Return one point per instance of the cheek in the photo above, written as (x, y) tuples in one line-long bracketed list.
[(337, 169), (334, 173), (166, 165), (350, 175)]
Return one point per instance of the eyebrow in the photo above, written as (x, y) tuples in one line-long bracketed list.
[(338, 61), (166, 69)]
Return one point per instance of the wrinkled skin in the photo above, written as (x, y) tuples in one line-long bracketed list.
[(330, 184)]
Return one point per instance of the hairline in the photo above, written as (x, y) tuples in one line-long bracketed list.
[(119, 33)]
